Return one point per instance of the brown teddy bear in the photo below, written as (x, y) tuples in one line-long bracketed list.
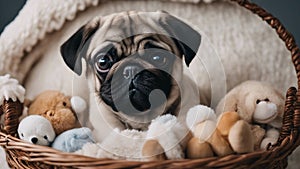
[(251, 120), (59, 109)]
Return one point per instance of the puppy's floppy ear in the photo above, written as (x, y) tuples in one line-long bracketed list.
[(76, 46), (186, 38)]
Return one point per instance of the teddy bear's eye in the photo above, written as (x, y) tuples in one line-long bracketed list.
[(45, 137), (64, 103), (22, 135), (257, 101)]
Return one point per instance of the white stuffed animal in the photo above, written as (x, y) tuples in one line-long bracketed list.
[(261, 105), (37, 130)]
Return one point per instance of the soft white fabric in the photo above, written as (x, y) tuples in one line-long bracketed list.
[(33, 22)]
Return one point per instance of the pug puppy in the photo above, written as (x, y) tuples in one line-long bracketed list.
[(136, 64)]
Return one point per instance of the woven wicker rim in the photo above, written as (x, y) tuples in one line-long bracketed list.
[(24, 155)]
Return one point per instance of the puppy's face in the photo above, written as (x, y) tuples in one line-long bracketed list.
[(134, 61)]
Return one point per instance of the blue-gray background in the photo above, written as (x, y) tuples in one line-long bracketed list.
[(288, 12)]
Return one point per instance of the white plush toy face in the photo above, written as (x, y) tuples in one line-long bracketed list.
[(37, 130), (263, 103), (265, 111)]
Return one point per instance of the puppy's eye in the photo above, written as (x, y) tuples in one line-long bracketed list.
[(158, 60), (103, 63)]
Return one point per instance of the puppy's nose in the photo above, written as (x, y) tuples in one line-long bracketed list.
[(34, 140), (130, 71)]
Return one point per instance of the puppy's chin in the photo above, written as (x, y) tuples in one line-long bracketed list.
[(139, 96)]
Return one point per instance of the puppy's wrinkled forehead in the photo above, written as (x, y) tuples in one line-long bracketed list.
[(121, 26), (126, 27)]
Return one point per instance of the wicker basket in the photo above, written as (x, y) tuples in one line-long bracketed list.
[(24, 155)]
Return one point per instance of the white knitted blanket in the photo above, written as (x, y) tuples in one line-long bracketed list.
[(35, 20)]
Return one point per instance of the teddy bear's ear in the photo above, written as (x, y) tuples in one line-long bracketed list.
[(246, 108)]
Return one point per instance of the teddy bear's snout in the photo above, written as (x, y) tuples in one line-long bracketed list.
[(50, 113), (265, 112), (34, 140)]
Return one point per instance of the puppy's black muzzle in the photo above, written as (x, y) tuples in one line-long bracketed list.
[(132, 85)]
